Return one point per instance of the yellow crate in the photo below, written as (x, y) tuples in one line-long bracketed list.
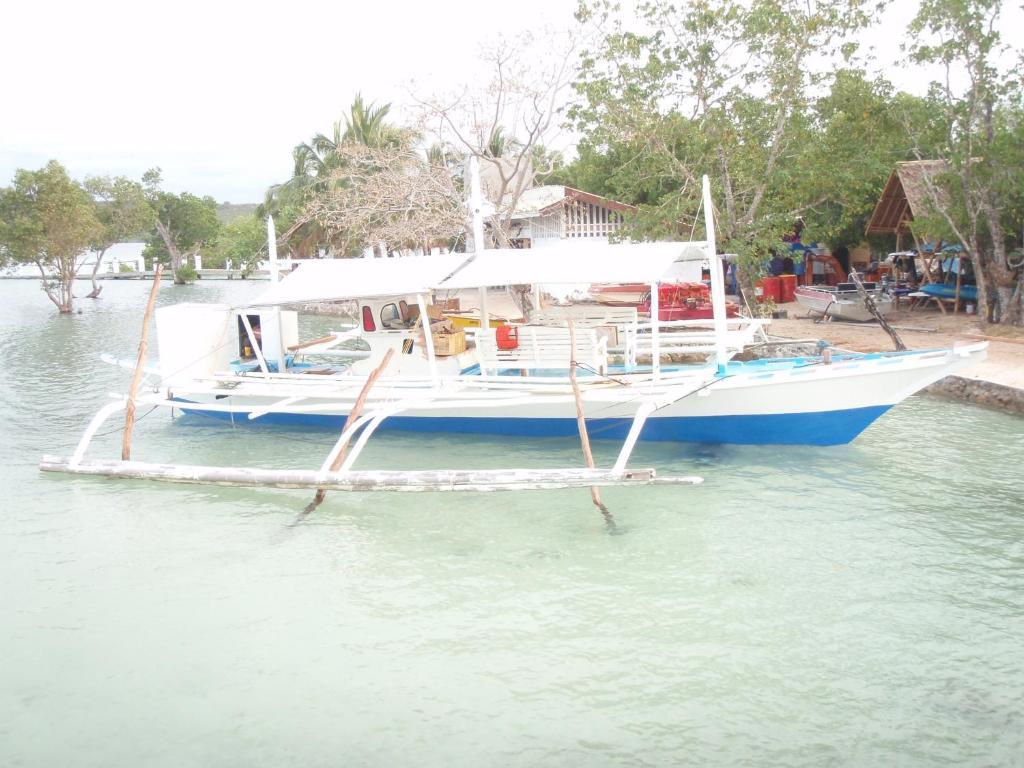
[(468, 321)]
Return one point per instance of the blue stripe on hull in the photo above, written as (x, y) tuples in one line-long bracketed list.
[(822, 428)]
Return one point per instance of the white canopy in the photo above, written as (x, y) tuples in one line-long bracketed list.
[(575, 263), (340, 279)]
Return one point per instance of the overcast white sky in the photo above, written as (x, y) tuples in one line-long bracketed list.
[(218, 93)]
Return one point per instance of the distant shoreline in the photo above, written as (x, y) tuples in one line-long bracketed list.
[(203, 274)]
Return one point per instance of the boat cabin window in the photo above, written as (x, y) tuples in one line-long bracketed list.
[(245, 347), (390, 317), (368, 324)]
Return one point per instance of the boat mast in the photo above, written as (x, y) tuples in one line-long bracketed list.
[(477, 214), (275, 277), (275, 274), (717, 282), (655, 330), (428, 337)]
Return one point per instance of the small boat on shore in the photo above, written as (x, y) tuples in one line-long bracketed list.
[(843, 301), (619, 295)]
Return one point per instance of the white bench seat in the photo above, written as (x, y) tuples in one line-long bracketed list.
[(585, 316), (542, 347)]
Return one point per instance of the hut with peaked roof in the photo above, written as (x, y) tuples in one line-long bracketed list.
[(906, 193), (909, 194)]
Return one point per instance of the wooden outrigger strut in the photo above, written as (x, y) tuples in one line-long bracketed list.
[(346, 478)]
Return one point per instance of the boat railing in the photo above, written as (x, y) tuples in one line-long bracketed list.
[(695, 336)]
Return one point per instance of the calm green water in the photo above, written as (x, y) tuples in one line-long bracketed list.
[(859, 606)]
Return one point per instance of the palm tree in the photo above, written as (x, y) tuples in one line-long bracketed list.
[(315, 162), (365, 124), (499, 144)]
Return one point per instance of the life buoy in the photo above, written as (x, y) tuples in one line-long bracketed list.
[(507, 337)]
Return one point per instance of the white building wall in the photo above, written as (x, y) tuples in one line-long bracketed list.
[(575, 221), (129, 254)]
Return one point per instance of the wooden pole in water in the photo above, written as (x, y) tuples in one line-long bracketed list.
[(581, 422), (353, 415), (129, 408)]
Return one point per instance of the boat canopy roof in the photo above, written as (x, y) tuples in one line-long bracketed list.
[(573, 263), (340, 279)]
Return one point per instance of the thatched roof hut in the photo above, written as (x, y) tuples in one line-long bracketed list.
[(906, 192)]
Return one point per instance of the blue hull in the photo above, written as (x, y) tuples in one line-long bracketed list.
[(823, 428)]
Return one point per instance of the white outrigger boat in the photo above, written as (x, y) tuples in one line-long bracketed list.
[(512, 381)]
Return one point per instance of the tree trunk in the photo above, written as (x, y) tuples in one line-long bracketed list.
[(730, 200), (96, 268), (1008, 313), (58, 289), (67, 284), (980, 278), (1004, 279), (172, 249), (746, 282)]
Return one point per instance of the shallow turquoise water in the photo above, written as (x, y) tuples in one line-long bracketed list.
[(861, 605)]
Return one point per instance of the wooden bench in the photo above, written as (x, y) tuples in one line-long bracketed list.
[(542, 347), (919, 299)]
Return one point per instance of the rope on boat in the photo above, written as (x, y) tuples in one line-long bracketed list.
[(121, 428)]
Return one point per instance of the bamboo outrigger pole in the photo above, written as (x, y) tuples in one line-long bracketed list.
[(353, 416), (581, 422), (140, 364)]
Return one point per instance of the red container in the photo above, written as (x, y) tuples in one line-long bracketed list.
[(507, 337), (769, 288), (787, 288)]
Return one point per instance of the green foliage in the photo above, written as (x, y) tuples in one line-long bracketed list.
[(185, 274), (184, 224), (859, 134), (979, 102), (730, 89), (229, 212), (122, 208), (48, 219), (500, 143), (243, 242), (192, 221), (717, 88), (316, 165)]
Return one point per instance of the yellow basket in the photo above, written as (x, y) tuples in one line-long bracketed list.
[(447, 344)]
